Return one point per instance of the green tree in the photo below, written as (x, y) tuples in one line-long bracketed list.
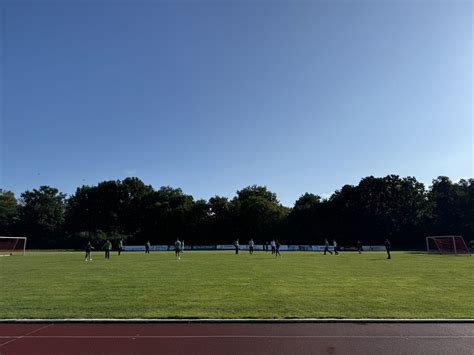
[(165, 215), (220, 220), (42, 217), (112, 208), (305, 220), (9, 213), (257, 213)]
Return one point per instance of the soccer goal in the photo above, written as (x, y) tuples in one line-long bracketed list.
[(12, 245), (450, 244)]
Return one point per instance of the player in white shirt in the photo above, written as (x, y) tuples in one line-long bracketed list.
[(251, 244), (335, 246)]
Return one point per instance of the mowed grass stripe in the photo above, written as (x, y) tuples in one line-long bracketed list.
[(223, 285)]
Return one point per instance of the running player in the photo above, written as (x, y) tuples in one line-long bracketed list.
[(359, 247), (388, 247), (108, 248), (326, 247), (277, 248), (236, 244), (335, 246), (251, 244), (147, 247), (177, 249), (89, 249)]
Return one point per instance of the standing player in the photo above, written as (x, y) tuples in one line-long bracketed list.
[(277, 248), (182, 246), (266, 247), (326, 247), (236, 244), (89, 249), (273, 245), (147, 247), (177, 249), (388, 247), (359, 247), (335, 246), (120, 246), (251, 244), (108, 248)]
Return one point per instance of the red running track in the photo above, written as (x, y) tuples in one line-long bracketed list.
[(236, 338)]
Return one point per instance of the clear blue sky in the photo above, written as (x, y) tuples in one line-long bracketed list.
[(214, 96)]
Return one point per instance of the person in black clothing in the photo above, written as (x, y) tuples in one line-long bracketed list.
[(326, 247), (388, 247), (120, 246), (236, 244), (277, 248), (88, 248), (359, 247), (147, 247)]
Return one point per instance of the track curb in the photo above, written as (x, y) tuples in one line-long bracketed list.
[(233, 320)]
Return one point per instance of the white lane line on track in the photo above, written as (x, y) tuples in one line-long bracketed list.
[(231, 336), (25, 335)]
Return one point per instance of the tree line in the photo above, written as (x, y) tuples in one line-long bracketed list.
[(399, 208)]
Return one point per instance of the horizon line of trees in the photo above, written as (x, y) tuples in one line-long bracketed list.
[(399, 208)]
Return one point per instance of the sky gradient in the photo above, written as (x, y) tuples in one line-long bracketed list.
[(215, 96)]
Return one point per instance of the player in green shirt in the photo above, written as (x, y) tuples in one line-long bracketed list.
[(177, 249)]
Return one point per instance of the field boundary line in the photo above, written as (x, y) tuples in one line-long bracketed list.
[(235, 320)]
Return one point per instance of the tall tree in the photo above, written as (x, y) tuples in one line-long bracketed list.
[(9, 213), (220, 221), (111, 209), (305, 223), (257, 213), (452, 206), (42, 217)]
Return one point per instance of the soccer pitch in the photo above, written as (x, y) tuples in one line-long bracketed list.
[(206, 284)]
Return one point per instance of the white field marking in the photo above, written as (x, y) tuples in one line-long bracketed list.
[(26, 335), (14, 337), (236, 320)]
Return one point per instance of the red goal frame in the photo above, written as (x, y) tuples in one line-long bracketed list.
[(448, 244)]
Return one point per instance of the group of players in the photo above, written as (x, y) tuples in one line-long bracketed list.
[(274, 246)]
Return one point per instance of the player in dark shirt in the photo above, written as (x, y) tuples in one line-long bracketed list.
[(326, 247), (388, 247), (277, 248), (88, 249)]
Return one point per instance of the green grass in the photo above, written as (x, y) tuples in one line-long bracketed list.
[(224, 285)]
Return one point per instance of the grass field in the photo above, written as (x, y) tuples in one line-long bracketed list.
[(223, 285)]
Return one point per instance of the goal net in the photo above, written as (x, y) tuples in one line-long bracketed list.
[(12, 245), (450, 244)]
